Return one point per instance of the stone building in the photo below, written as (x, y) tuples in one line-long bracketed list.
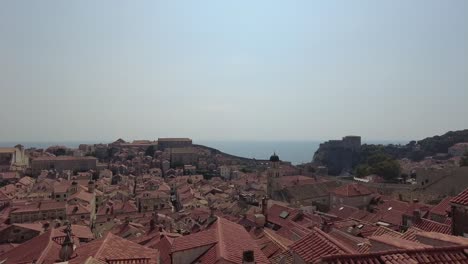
[(183, 156), (225, 172), (164, 143), (13, 159), (19, 233), (339, 155), (38, 211), (62, 163), (460, 214), (273, 176), (354, 195), (149, 201)]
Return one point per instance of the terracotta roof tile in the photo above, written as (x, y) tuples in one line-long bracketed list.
[(461, 198), (283, 258), (397, 242), (381, 230), (279, 215), (343, 211), (353, 189), (442, 208), (432, 226), (347, 239), (316, 245), (229, 239), (114, 248), (199, 239), (446, 255), (443, 237), (40, 249)]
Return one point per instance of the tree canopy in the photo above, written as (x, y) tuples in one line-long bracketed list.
[(379, 163)]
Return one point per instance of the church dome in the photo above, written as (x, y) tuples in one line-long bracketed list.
[(274, 158)]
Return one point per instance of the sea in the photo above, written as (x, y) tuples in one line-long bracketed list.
[(297, 152)]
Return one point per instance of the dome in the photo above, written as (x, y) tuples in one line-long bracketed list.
[(274, 158)]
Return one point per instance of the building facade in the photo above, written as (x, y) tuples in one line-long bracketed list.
[(164, 143), (62, 163)]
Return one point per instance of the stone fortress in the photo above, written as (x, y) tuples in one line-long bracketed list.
[(339, 155)]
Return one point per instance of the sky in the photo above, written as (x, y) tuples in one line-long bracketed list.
[(232, 70)]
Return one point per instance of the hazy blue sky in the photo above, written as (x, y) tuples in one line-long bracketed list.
[(271, 70)]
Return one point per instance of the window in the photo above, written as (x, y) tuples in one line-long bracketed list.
[(16, 231)]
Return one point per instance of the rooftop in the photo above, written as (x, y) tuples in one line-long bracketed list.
[(461, 198), (64, 158), (351, 190)]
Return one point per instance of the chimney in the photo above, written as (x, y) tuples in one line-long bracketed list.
[(248, 257), (265, 206), (416, 215), (46, 226), (259, 220), (91, 186)]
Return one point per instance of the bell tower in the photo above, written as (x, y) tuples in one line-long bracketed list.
[(273, 175)]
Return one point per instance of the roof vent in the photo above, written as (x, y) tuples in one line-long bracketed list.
[(248, 257)]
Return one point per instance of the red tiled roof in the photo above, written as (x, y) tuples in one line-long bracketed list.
[(386, 231), (83, 196), (33, 226), (287, 181), (65, 158), (80, 231), (343, 211), (164, 247), (293, 231), (432, 226), (3, 196), (316, 245), (230, 241), (275, 211), (397, 242), (114, 248), (351, 190), (347, 239), (40, 249), (283, 258), (461, 198), (199, 239), (443, 237), (9, 175), (39, 206), (442, 208), (446, 255)]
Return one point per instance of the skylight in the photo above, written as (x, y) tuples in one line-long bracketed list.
[(284, 214)]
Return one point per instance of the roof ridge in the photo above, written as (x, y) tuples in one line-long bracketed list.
[(398, 251), (220, 239), (333, 241), (44, 252), (276, 241), (101, 247)]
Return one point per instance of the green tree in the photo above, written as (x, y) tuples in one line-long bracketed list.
[(150, 151), (389, 169), (362, 170)]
